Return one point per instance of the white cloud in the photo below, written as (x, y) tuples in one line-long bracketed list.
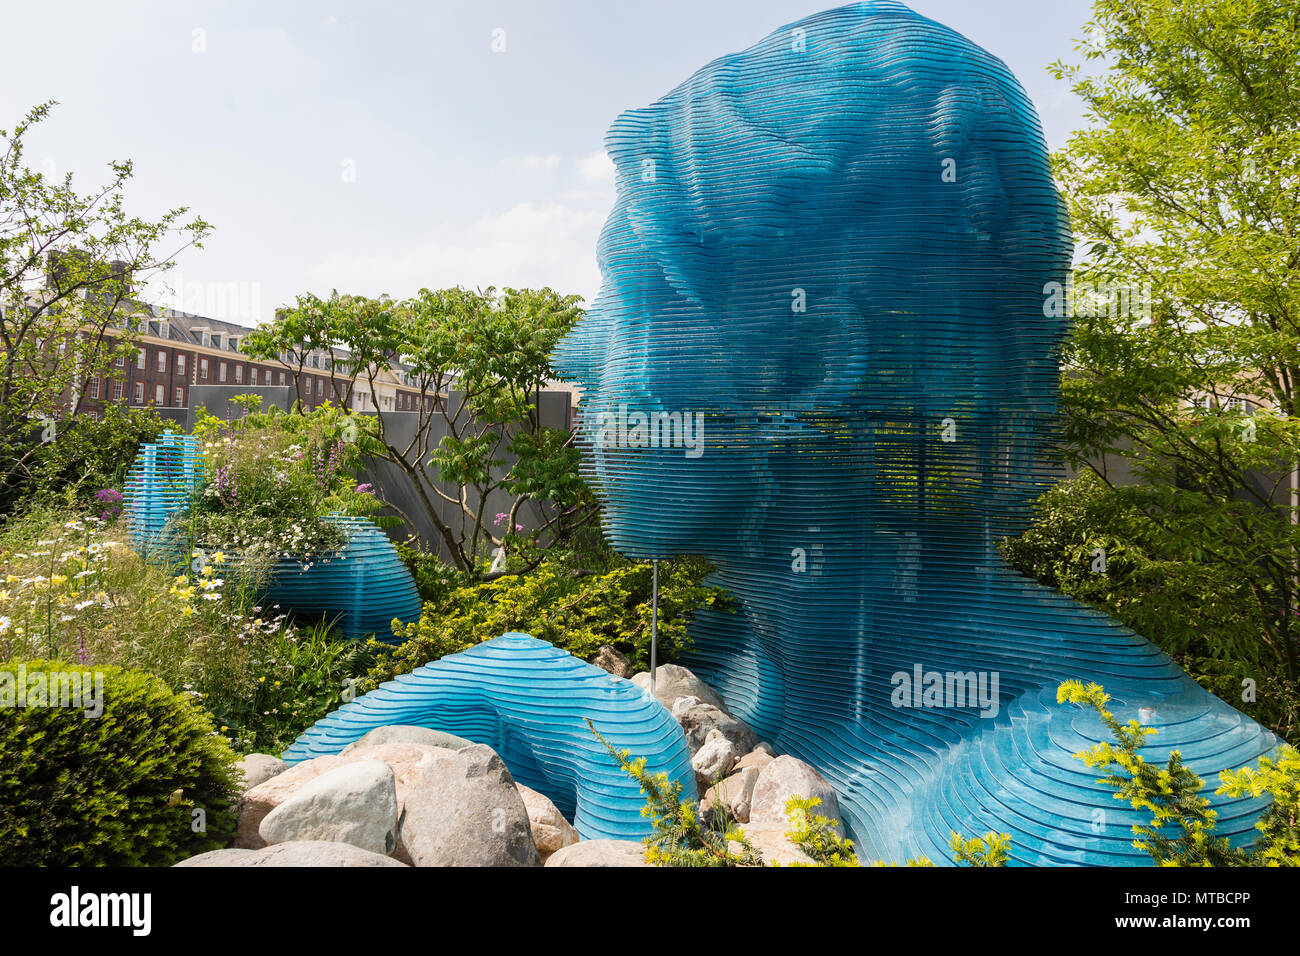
[(596, 168), (545, 163), (529, 245)]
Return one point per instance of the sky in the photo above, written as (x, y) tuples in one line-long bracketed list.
[(384, 147)]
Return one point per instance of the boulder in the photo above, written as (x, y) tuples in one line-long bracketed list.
[(756, 758), (465, 810), (551, 832), (407, 734), (304, 853), (355, 803), (600, 853), (405, 759), (608, 659), (699, 718), (787, 777), (736, 792), (772, 845), (673, 681), (713, 760), (258, 768)]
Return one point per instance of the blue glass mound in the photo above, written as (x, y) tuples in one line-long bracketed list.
[(527, 700), (361, 589), (161, 483), (825, 357)]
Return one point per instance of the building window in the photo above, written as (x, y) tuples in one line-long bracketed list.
[(239, 374), (221, 372), (203, 370), (180, 398), (139, 359), (117, 391), (159, 395), (94, 388), (320, 387), (162, 362), (180, 363), (252, 375), (120, 362), (282, 378), (139, 393)]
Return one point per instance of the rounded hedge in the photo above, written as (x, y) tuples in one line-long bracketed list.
[(147, 782)]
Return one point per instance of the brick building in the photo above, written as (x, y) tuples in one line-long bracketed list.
[(177, 351)]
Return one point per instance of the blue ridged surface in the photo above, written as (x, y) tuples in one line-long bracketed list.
[(527, 700), (161, 483), (835, 248), (361, 590)]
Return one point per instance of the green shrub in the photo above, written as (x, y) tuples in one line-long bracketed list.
[(87, 454), (268, 480), (148, 782), (1201, 612), (572, 608)]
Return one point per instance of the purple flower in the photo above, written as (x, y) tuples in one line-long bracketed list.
[(365, 488), (501, 516)]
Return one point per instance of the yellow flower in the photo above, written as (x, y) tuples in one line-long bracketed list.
[(218, 557), (261, 680), (186, 611), (58, 579)]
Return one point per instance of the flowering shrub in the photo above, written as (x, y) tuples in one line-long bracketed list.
[(72, 589), (270, 479)]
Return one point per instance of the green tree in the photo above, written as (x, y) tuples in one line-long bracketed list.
[(1185, 354), (478, 360), (68, 263)]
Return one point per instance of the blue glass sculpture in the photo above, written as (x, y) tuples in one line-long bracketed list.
[(361, 589), (529, 701), (825, 357)]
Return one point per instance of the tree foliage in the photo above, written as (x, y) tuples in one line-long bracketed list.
[(68, 263), (1183, 196), (478, 359)]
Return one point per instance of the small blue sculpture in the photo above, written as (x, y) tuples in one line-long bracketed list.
[(825, 357), (360, 589), (530, 701)]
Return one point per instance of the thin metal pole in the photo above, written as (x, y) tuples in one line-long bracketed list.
[(654, 622)]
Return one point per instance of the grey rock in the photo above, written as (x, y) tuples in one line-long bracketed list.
[(355, 803), (551, 832), (304, 853), (609, 659), (756, 758), (673, 681), (465, 810), (258, 768), (700, 718), (772, 845), (736, 792), (407, 734), (714, 759), (600, 853), (787, 777)]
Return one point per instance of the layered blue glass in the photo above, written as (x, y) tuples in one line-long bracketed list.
[(825, 356), (530, 702)]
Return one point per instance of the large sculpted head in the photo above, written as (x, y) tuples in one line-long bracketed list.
[(824, 276)]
